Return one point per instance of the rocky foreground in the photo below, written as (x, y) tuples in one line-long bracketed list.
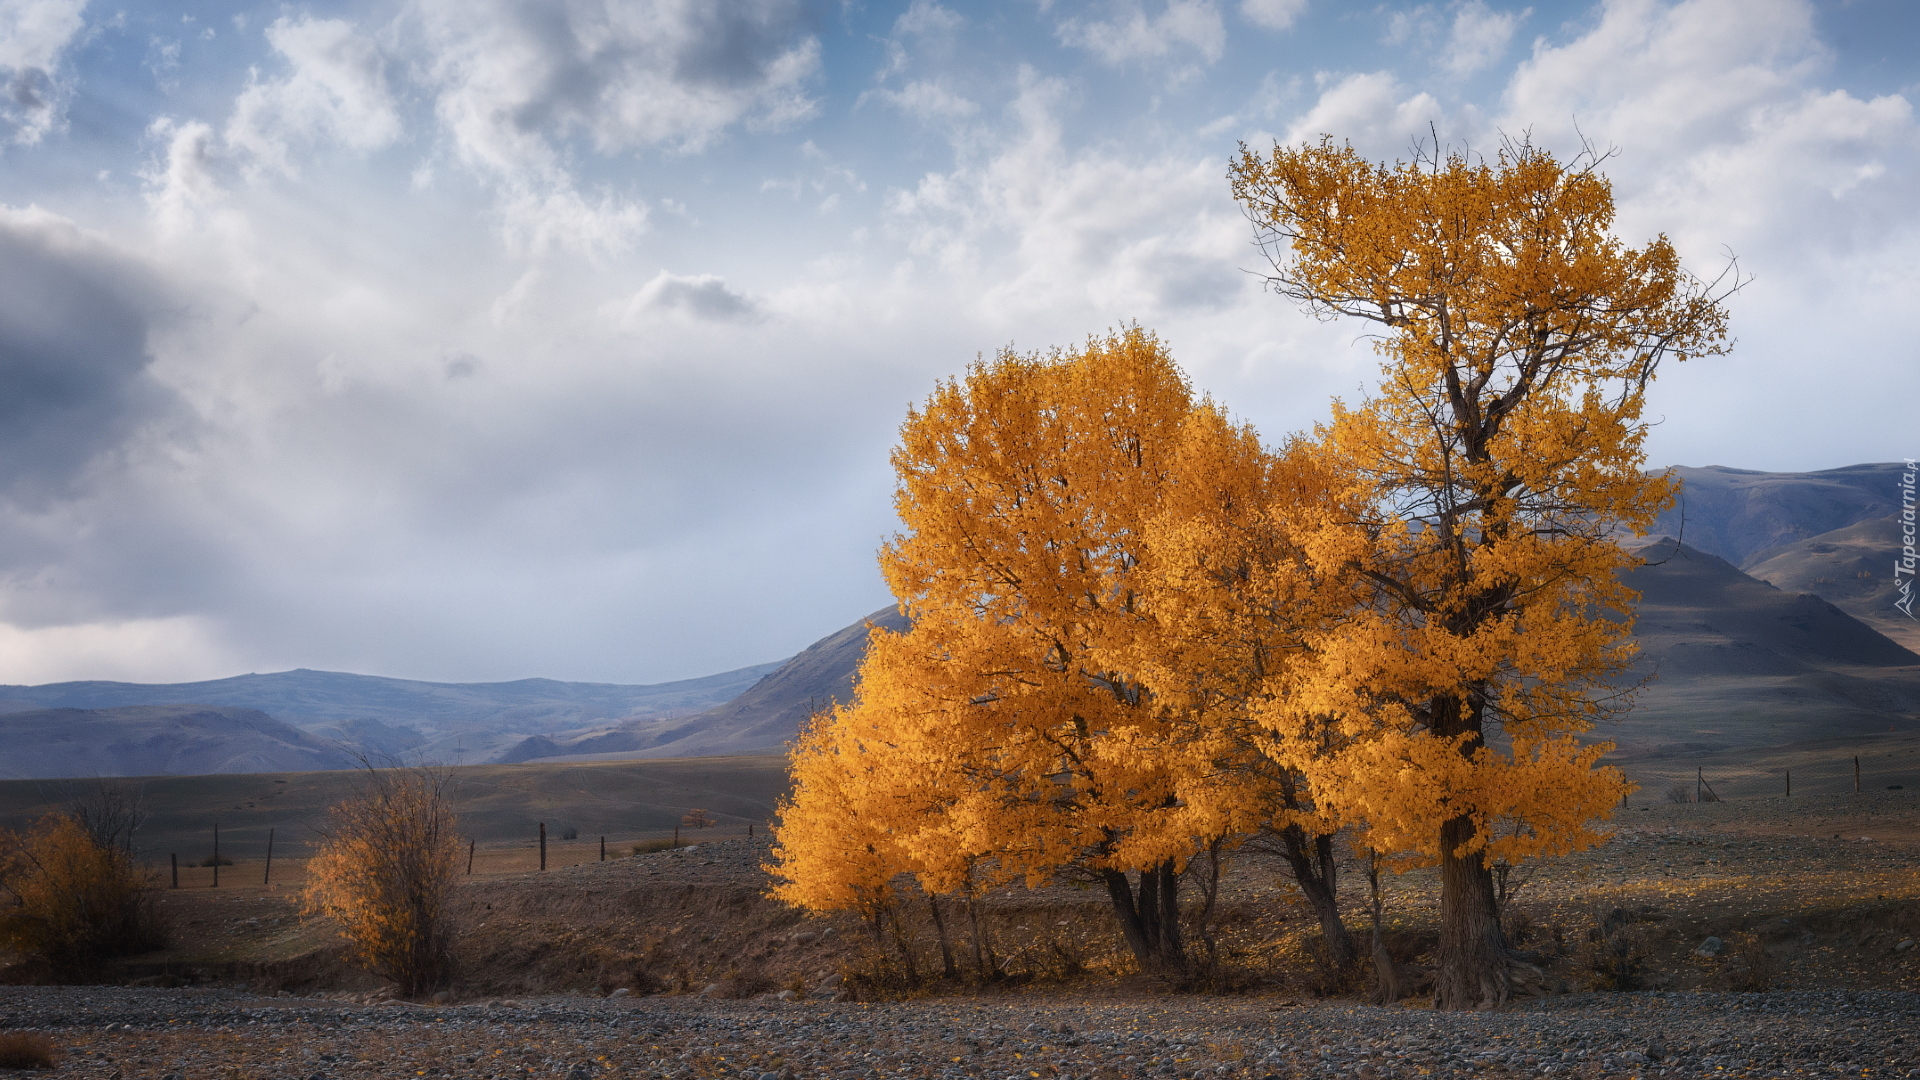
[(189, 1034)]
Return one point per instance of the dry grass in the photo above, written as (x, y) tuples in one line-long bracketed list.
[(27, 1050)]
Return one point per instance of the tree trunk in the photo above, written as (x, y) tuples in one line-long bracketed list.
[(1314, 871), (1473, 952), (1386, 988), (1149, 916), (948, 969)]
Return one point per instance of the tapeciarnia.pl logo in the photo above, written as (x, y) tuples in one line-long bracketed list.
[(1905, 563)]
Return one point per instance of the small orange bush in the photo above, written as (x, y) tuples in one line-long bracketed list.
[(71, 902), (385, 872)]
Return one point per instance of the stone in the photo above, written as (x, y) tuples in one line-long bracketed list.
[(1904, 945), (1710, 948), (620, 992), (784, 995), (710, 990)]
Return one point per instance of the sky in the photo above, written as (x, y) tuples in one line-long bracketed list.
[(475, 340)]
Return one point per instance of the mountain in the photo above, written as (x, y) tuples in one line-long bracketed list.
[(1737, 513), (157, 740), (305, 697), (765, 717), (1735, 662), (1852, 567)]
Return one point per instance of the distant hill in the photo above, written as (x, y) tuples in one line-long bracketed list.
[(157, 740), (378, 715), (1852, 567), (1739, 663), (1737, 513), (765, 717)]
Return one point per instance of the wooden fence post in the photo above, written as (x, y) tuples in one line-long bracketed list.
[(267, 875), (1856, 774), (603, 849), (1699, 783), (543, 845), (676, 836), (1789, 783), (470, 844)]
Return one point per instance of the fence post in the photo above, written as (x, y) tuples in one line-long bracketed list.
[(603, 849), (216, 855), (470, 844), (1623, 802), (543, 845), (268, 874), (1789, 783), (676, 836), (1856, 774), (1699, 783), (174, 858)]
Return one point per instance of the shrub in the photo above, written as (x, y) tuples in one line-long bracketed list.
[(570, 833), (385, 871), (699, 819), (71, 902), (648, 847), (1750, 967), (215, 860), (27, 1050)]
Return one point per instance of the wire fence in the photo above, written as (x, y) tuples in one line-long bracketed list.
[(1723, 777)]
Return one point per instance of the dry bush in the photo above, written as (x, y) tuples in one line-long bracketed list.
[(1750, 967), (648, 847), (699, 819), (27, 1050), (1679, 793), (1615, 954), (214, 860), (385, 872), (70, 902)]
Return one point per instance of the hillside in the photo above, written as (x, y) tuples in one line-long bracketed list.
[(153, 740), (1851, 567), (384, 716), (765, 717), (1737, 513), (1737, 663)]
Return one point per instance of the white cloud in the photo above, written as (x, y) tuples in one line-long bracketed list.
[(1373, 111), (1036, 226), (1272, 14), (702, 296), (181, 183), (513, 77), (1479, 36), (336, 89), (183, 647), (34, 37), (1129, 34)]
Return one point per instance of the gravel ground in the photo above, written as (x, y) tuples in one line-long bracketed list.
[(190, 1034)]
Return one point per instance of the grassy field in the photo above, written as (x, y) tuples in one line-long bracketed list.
[(500, 807)]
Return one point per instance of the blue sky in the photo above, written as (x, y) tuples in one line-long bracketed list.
[(483, 339)]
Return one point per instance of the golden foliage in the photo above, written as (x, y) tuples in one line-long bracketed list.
[(1138, 634), (71, 901), (385, 873), (1498, 460)]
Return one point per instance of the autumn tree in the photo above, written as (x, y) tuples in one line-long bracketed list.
[(1498, 458), (385, 871), (72, 897), (999, 738)]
